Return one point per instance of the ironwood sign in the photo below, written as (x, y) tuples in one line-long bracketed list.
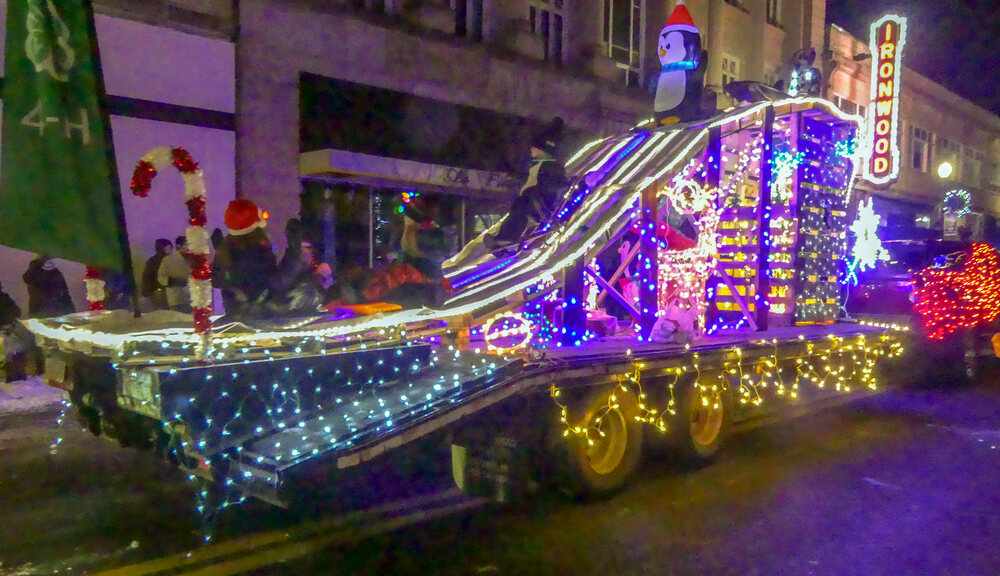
[(888, 35)]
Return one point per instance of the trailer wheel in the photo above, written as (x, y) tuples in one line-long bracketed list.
[(601, 465), (977, 356), (702, 425)]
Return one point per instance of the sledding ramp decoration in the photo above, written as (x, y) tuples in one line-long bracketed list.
[(197, 240), (609, 175)]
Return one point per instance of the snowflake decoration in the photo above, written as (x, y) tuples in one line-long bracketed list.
[(867, 246)]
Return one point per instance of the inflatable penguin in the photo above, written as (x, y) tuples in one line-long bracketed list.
[(679, 83)]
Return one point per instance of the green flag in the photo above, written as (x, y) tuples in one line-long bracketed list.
[(59, 192)]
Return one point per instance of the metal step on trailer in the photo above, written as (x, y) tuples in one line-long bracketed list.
[(256, 477)]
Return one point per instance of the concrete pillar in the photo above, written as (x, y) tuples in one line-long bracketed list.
[(655, 16), (493, 21), (393, 7), (581, 26), (267, 123)]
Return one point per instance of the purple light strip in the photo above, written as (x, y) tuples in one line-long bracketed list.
[(478, 274), (602, 172)]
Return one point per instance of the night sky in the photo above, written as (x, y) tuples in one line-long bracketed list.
[(956, 43)]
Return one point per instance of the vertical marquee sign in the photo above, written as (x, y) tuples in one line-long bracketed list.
[(887, 37)]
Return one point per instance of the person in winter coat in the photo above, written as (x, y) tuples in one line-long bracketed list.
[(173, 275), (48, 294), (303, 279), (9, 310), (217, 237), (298, 261), (540, 195), (116, 290), (245, 267), (12, 341), (424, 242), (151, 287)]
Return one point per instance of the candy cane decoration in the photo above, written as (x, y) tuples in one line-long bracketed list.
[(95, 289), (200, 283)]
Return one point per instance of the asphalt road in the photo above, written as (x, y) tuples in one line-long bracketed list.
[(904, 482)]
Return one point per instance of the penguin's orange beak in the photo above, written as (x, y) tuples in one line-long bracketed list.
[(662, 52)]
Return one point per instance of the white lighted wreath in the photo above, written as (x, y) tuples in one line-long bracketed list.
[(522, 328)]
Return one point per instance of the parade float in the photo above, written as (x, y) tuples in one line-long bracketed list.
[(522, 361)]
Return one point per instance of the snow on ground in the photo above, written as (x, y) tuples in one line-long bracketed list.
[(27, 395)]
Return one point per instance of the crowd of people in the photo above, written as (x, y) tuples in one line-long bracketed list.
[(255, 283)]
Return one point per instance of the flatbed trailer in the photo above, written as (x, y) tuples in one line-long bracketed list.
[(518, 356), (253, 443)]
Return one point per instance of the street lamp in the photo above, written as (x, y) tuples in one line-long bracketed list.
[(944, 169)]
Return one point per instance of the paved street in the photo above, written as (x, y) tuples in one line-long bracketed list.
[(900, 483)]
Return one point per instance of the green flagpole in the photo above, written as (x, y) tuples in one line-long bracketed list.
[(116, 190)]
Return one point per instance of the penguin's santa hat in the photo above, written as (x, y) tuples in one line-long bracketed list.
[(680, 20)]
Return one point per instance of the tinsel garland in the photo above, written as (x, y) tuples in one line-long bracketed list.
[(198, 241), (95, 289)]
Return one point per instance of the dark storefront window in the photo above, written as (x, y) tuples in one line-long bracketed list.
[(622, 31), (358, 214), (350, 224), (359, 118)]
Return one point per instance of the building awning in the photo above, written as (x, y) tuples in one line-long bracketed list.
[(331, 165), (890, 205)]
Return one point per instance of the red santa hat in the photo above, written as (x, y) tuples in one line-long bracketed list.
[(680, 20), (243, 217)]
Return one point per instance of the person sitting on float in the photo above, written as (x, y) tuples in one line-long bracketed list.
[(304, 280), (540, 195), (245, 267)]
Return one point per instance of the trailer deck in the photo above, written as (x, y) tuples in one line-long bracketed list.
[(370, 420)]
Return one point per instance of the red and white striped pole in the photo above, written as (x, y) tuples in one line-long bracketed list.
[(95, 289), (200, 283)]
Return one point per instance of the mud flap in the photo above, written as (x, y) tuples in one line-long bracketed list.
[(496, 468)]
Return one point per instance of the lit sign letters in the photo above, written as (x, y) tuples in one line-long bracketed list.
[(887, 37)]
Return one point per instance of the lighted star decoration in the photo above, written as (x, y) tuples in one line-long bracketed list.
[(867, 246)]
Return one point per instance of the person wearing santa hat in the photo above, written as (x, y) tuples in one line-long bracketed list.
[(245, 267), (679, 83)]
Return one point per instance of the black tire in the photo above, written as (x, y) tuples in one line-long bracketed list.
[(979, 359), (698, 432), (971, 361), (602, 468), (88, 417)]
